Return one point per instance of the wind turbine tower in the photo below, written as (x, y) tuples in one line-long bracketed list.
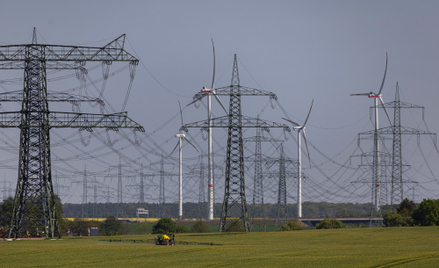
[(376, 151)]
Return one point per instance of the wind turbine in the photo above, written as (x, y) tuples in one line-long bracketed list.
[(376, 156), (180, 137), (300, 129), (209, 92)]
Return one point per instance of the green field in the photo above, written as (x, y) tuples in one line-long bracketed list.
[(356, 247)]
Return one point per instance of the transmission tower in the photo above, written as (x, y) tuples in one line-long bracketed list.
[(258, 185), (34, 205), (234, 207), (397, 192), (119, 188), (202, 208), (84, 194), (397, 130)]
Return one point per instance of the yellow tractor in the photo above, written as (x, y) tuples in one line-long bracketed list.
[(165, 239)]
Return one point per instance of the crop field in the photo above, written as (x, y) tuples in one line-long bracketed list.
[(353, 247)]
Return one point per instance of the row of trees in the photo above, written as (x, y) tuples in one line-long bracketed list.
[(195, 210), (407, 214)]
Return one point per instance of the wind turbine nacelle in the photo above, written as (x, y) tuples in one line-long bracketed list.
[(206, 90), (180, 135)]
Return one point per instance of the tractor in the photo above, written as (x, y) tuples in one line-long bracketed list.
[(165, 239)]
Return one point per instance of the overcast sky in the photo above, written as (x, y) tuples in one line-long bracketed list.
[(300, 50)]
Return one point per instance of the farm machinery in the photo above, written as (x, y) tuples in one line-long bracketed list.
[(165, 239)]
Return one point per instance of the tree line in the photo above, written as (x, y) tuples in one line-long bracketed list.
[(409, 214), (195, 210)]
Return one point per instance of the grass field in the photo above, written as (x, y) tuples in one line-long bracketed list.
[(356, 247)]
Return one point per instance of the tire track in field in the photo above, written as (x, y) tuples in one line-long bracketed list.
[(257, 259), (407, 260)]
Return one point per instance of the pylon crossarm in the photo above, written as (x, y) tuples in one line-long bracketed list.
[(53, 65), (86, 121), (75, 120), (244, 91), (113, 51), (404, 130), (17, 96), (247, 122)]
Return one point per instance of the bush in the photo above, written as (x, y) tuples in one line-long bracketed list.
[(181, 229), (427, 214), (200, 227), (329, 224), (393, 219), (79, 226), (164, 225), (290, 226)]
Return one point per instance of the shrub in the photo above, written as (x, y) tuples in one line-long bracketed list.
[(393, 219), (290, 226), (164, 225), (181, 229), (427, 214), (200, 227), (329, 224)]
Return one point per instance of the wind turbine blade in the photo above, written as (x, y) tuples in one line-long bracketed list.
[(360, 94), (306, 120), (197, 99), (181, 114), (294, 123), (385, 110), (219, 101), (191, 143), (213, 75), (175, 147), (306, 144), (384, 78)]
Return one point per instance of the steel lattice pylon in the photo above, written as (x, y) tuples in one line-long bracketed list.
[(282, 191), (34, 212), (258, 183), (234, 207), (397, 194)]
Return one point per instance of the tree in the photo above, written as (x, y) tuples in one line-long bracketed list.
[(406, 208), (6, 211), (112, 226), (330, 224), (290, 226), (200, 227), (427, 214), (164, 225), (79, 226)]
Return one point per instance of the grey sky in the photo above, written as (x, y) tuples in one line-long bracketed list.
[(300, 50)]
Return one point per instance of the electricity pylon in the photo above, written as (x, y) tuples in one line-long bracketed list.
[(397, 130), (235, 205), (258, 183), (34, 210), (397, 195)]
